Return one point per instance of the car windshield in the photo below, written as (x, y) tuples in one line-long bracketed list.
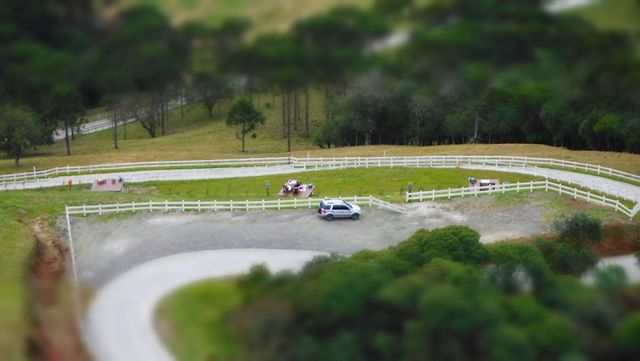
[(349, 205)]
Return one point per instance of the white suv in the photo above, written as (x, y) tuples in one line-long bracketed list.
[(337, 208)]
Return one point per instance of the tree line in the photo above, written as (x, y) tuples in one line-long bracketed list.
[(443, 295), (482, 71)]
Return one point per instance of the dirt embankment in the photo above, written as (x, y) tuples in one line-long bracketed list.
[(619, 239), (54, 333)]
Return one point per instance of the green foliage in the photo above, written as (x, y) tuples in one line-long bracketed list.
[(503, 74), (438, 295), (580, 230), (456, 243), (627, 337), (518, 266), (573, 251), (18, 131), (610, 279), (245, 116)]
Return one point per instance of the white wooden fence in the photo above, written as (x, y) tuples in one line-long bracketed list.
[(451, 161), (246, 205), (332, 163), (545, 185), (35, 175)]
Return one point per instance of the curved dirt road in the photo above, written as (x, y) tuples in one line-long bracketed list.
[(120, 322)]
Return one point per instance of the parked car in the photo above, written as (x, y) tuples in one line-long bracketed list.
[(337, 208)]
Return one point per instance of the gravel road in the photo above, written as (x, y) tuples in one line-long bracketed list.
[(107, 247), (120, 323)]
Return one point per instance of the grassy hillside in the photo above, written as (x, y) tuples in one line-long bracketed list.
[(266, 15), (196, 136), (621, 15), (612, 14)]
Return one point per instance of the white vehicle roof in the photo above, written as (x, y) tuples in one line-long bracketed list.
[(333, 201)]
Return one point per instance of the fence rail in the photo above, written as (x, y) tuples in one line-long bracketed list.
[(36, 175), (336, 162), (370, 201), (545, 185), (461, 160), (246, 205)]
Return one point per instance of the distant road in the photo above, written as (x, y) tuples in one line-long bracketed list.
[(120, 322), (90, 127)]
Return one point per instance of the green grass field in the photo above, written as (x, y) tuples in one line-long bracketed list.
[(193, 321)]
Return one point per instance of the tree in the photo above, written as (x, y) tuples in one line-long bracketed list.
[(18, 131), (211, 89), (245, 116), (580, 229), (611, 126), (66, 108)]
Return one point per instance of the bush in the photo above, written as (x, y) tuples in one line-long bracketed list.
[(455, 243), (581, 230)]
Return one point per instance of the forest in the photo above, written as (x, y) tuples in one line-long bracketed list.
[(470, 71), (442, 295)]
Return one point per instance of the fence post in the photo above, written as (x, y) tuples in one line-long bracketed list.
[(231, 205), (617, 204), (371, 200), (247, 205), (84, 210), (166, 205), (264, 208), (546, 185), (199, 206), (588, 196), (100, 209), (183, 205), (150, 209), (517, 187), (406, 198), (531, 185), (449, 192), (604, 199), (117, 207)]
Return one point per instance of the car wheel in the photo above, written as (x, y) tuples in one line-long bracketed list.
[(355, 216), (329, 217)]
